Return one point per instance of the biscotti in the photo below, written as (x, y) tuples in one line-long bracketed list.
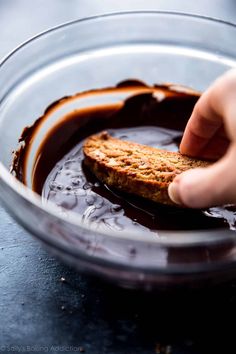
[(134, 168)]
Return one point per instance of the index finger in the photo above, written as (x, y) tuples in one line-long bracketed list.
[(202, 126), (213, 115)]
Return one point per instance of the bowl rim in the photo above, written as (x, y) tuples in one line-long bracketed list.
[(110, 15), (200, 236)]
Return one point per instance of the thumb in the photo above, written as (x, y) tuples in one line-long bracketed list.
[(205, 187)]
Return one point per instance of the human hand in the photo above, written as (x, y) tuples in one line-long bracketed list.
[(211, 134)]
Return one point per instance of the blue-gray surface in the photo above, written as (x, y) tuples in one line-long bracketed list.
[(42, 313)]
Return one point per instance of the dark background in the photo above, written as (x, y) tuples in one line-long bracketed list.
[(39, 311)]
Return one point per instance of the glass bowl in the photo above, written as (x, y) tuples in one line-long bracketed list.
[(98, 52)]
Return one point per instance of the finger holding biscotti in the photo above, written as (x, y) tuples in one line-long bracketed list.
[(205, 187), (210, 133)]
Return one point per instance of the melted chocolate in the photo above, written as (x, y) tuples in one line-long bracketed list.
[(60, 176)]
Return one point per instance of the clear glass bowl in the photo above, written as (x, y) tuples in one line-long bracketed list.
[(98, 52)]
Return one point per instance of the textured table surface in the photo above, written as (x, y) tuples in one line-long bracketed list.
[(47, 307)]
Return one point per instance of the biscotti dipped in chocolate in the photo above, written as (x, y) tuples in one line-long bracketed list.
[(134, 168)]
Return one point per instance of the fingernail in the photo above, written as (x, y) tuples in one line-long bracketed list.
[(173, 191)]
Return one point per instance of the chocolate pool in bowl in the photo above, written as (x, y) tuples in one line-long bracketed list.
[(154, 116)]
